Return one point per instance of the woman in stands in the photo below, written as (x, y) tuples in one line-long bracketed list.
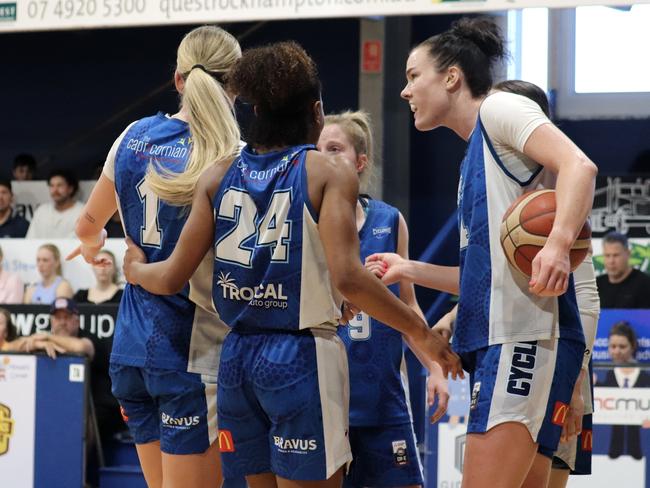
[(285, 238), (105, 289), (380, 410), (165, 350), (52, 284)]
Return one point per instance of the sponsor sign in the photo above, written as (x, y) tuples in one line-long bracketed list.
[(98, 320), (17, 419), (621, 406), (65, 14)]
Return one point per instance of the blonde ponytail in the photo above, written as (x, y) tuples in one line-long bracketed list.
[(358, 128), (205, 54)]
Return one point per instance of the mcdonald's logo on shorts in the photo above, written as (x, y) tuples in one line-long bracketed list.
[(559, 413), (125, 417), (587, 440), (226, 443)]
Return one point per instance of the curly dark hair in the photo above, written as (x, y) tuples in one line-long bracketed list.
[(281, 81)]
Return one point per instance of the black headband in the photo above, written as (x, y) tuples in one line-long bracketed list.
[(215, 74)]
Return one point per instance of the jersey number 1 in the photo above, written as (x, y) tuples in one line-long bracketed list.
[(273, 230), (150, 233)]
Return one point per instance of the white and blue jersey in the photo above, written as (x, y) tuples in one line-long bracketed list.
[(182, 331), (495, 305), (378, 380), (270, 272), (283, 377)]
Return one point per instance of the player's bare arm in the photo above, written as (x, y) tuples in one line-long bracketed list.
[(398, 269), (337, 194), (99, 208), (576, 178), (169, 276)]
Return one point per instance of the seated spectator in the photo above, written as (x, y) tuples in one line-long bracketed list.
[(105, 289), (11, 225), (58, 218), (52, 284), (622, 286), (66, 334), (11, 286), (8, 332), (24, 167)]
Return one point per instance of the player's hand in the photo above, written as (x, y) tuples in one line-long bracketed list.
[(392, 265), (550, 271), (378, 268), (444, 327), (437, 388), (89, 253), (437, 349), (348, 311), (133, 256), (572, 426)]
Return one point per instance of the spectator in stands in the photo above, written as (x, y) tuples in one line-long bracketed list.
[(11, 286), (52, 284), (11, 225), (24, 167), (622, 286), (8, 332), (105, 289), (67, 334), (57, 219), (622, 348)]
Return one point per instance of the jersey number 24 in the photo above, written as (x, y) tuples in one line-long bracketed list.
[(272, 230)]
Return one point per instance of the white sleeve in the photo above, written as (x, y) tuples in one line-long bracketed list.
[(588, 304), (34, 230), (510, 119), (109, 164)]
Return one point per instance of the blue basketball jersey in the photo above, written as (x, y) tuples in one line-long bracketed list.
[(495, 305), (378, 380), (168, 332), (270, 271)]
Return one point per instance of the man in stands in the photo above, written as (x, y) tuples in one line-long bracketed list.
[(57, 219), (11, 225), (622, 286)]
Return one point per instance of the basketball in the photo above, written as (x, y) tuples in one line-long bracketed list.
[(527, 224)]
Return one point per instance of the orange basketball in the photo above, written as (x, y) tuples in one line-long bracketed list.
[(527, 224)]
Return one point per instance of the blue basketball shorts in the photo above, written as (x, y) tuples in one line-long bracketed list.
[(526, 382), (175, 407), (283, 405), (384, 456)]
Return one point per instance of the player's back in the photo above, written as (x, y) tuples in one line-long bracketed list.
[(270, 271), (156, 330), (378, 381)]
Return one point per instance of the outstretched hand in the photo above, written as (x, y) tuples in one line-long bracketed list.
[(387, 266), (89, 253)]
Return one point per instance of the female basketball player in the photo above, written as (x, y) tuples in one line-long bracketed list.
[(284, 239), (164, 350), (381, 428), (507, 330)]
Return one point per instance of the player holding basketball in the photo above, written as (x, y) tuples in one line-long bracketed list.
[(165, 352), (520, 339), (574, 453), (381, 428), (284, 238)]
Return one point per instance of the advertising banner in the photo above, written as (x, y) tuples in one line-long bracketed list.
[(26, 15)]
